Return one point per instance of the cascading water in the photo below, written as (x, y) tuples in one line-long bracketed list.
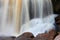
[(36, 17), (43, 17)]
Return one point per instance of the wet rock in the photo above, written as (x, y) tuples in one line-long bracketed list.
[(25, 36)]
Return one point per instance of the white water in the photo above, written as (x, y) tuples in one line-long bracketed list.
[(39, 25), (6, 28), (43, 18)]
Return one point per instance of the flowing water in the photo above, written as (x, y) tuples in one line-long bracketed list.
[(34, 13)]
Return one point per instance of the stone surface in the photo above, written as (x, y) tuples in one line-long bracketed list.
[(57, 37), (25, 36), (57, 21), (46, 36)]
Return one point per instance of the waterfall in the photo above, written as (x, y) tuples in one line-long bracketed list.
[(7, 21), (33, 15), (42, 16)]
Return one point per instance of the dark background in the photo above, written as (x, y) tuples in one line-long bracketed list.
[(56, 6)]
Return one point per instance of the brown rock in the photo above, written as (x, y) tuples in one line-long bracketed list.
[(46, 36), (25, 36), (57, 37), (41, 37), (52, 34)]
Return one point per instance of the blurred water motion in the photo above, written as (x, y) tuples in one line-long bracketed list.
[(7, 9), (16, 13)]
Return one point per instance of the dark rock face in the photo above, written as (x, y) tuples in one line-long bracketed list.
[(57, 21), (56, 6), (25, 36)]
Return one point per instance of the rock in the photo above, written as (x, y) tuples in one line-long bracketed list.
[(46, 36), (57, 21), (57, 37), (25, 36)]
